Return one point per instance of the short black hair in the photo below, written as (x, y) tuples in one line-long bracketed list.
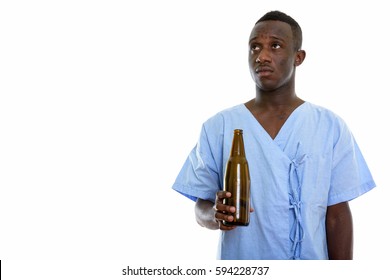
[(280, 16)]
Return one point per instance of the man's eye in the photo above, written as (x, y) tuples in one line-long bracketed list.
[(276, 46), (255, 48)]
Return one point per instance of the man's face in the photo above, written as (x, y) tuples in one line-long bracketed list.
[(271, 54)]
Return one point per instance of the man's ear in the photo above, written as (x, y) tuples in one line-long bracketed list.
[(299, 57)]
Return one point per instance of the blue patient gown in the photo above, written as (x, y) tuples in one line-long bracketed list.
[(312, 163)]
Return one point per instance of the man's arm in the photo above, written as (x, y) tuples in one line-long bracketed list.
[(339, 232)]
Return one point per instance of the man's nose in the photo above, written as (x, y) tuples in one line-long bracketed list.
[(264, 56)]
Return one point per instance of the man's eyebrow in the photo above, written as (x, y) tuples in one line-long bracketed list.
[(253, 38), (272, 36)]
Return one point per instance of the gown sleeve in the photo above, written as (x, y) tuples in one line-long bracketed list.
[(351, 176), (199, 176)]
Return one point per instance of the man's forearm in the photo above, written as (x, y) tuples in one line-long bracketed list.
[(339, 231), (205, 215)]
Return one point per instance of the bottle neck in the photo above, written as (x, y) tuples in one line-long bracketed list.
[(238, 144)]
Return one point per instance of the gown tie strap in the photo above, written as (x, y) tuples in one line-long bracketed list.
[(297, 233)]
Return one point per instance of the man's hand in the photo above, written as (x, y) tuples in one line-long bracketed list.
[(223, 212), (211, 215)]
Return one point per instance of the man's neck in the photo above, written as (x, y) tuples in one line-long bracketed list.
[(276, 101)]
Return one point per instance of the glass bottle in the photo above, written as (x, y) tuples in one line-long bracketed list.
[(237, 181)]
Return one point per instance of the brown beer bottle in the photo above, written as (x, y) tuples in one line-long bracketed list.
[(237, 181)]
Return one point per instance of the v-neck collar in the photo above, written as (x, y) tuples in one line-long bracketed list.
[(286, 127)]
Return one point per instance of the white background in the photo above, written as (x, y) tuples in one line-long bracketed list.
[(101, 102)]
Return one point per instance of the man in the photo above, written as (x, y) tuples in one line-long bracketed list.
[(304, 163)]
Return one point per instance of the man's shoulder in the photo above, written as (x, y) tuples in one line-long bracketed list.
[(322, 111), (224, 119), (325, 117), (229, 112)]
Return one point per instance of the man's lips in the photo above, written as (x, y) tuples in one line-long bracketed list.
[(264, 71)]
